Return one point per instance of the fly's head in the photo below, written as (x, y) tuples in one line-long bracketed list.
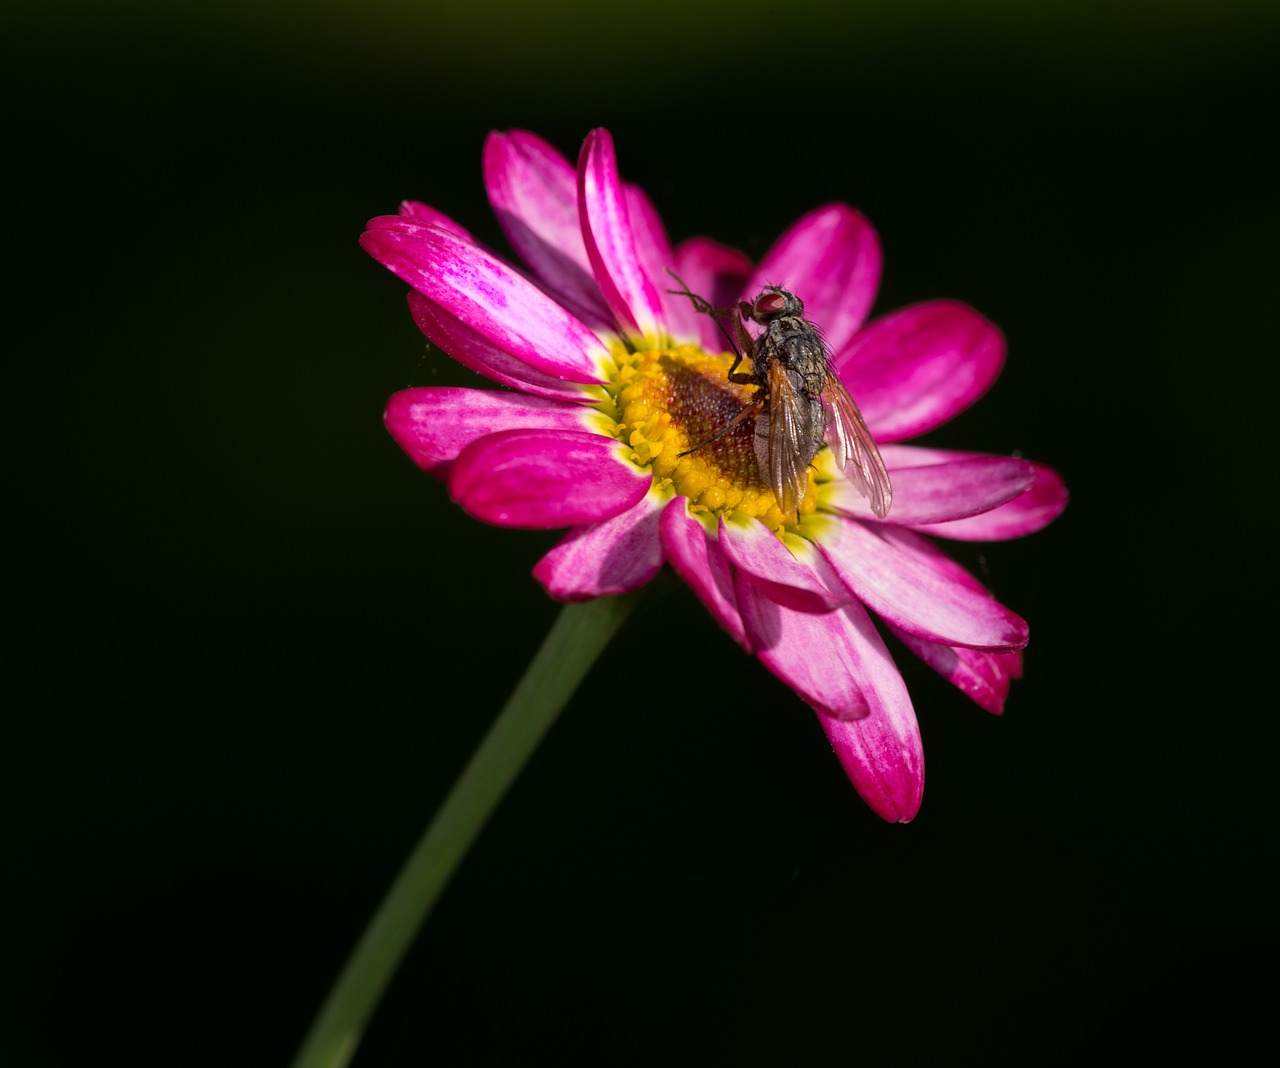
[(772, 303)]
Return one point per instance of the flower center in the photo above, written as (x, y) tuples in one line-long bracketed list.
[(672, 406)]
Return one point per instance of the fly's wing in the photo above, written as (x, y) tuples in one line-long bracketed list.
[(788, 438), (853, 448)]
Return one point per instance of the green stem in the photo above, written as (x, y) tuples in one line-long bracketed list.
[(579, 634)]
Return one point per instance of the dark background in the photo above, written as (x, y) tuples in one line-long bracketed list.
[(248, 645)]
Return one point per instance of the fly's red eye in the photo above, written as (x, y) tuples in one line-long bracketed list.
[(770, 304)]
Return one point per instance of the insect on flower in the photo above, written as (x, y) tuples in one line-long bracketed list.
[(610, 382), (800, 402)]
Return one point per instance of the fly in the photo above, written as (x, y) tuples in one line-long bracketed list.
[(800, 403)]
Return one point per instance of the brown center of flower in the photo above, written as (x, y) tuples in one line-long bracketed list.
[(672, 407)]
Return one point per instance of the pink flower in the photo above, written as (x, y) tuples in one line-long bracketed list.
[(612, 378)]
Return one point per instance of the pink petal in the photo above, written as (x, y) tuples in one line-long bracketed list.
[(928, 554), (771, 567), (545, 478), (433, 425), (1036, 508), (429, 216), (612, 557), (482, 356), (696, 556), (939, 492), (917, 367), (917, 592), (718, 274), (610, 241), (809, 651), (657, 259), (838, 663), (984, 677), (882, 753), (486, 295), (534, 193), (831, 260), (896, 456)]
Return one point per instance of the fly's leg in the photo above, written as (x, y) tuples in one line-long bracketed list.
[(700, 304), (705, 307), (741, 345), (741, 377), (751, 409), (745, 346)]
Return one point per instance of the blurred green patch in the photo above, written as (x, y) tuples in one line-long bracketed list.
[(621, 48)]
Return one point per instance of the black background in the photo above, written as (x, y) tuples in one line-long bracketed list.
[(248, 644)]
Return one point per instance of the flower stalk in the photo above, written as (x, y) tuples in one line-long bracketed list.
[(576, 639)]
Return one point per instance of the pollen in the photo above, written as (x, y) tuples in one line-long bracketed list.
[(675, 408)]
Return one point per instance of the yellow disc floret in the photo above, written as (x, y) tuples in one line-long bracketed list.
[(672, 407)]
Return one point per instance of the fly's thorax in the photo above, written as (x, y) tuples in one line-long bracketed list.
[(796, 345)]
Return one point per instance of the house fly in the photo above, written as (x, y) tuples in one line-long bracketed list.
[(800, 404)]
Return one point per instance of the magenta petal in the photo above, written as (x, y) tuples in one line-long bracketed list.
[(896, 455), (831, 260), (839, 664), (809, 651), (882, 753), (983, 677), (918, 367), (612, 557), (941, 492), (1036, 508), (770, 566), (534, 193), (482, 356), (916, 591), (488, 297), (610, 241), (696, 556), (658, 260), (433, 425), (928, 554), (716, 273), (545, 478), (429, 216)]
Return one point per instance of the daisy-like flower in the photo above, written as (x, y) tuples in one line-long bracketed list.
[(613, 379)]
